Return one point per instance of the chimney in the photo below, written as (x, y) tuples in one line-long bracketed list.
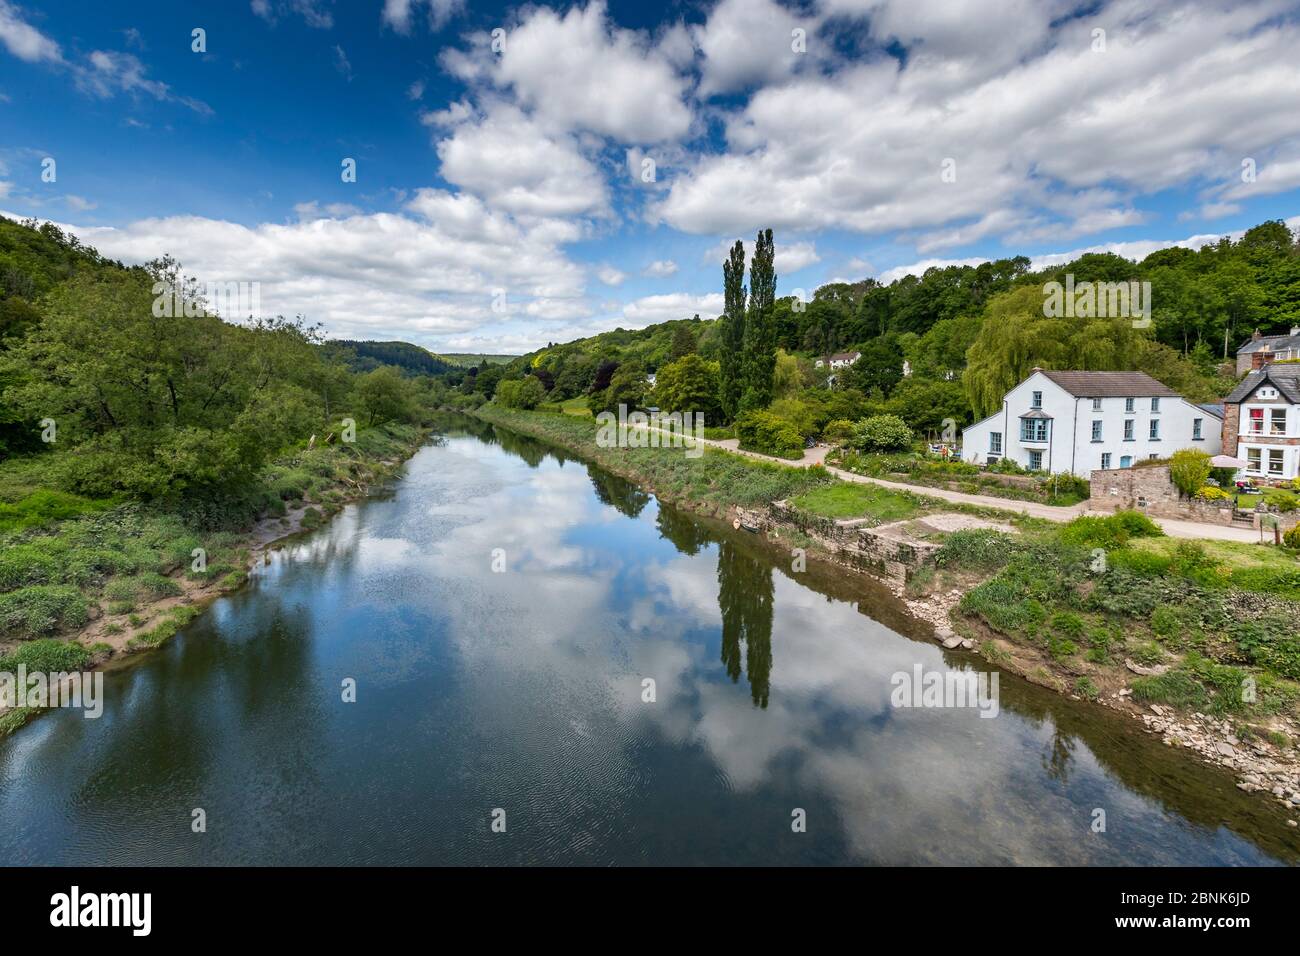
[(1255, 337), (1295, 330)]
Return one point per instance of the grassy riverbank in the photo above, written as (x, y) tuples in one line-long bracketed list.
[(83, 581)]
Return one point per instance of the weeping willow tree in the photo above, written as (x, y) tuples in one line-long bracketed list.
[(1017, 337)]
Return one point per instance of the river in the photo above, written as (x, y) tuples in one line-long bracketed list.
[(500, 609)]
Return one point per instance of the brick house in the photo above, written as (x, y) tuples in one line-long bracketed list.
[(1262, 349), (1261, 422)]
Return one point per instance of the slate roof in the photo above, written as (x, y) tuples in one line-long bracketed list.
[(1285, 377), (1109, 384), (1215, 409), (1270, 342)]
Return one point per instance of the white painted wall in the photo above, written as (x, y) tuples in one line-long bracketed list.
[(1070, 446)]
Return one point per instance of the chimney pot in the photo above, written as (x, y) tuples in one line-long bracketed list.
[(1255, 337)]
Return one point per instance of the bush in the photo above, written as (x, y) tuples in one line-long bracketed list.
[(1292, 538), (839, 430), (1188, 470), (1211, 493), (766, 433), (976, 548), (882, 433)]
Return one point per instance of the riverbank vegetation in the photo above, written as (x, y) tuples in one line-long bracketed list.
[(142, 437)]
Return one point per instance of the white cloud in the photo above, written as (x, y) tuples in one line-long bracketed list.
[(674, 305), (610, 276), (79, 204), (661, 269), (748, 43), (342, 64), (23, 40), (514, 164), (398, 14), (415, 91), (313, 12), (581, 72), (1030, 114)]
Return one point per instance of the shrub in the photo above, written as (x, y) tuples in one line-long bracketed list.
[(23, 564), (976, 548), (1188, 470), (839, 430), (1292, 538), (882, 433), (766, 433)]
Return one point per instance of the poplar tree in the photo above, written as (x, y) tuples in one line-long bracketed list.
[(759, 338), (731, 373)]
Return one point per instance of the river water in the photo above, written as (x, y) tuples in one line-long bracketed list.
[(500, 610)]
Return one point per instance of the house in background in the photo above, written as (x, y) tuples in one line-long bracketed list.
[(1063, 421), (838, 360), (1261, 422), (1262, 349)]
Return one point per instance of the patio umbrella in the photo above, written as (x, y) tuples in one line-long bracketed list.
[(1226, 461)]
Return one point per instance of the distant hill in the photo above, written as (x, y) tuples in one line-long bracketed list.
[(364, 356)]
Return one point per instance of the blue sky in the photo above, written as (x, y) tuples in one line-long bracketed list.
[(501, 198)]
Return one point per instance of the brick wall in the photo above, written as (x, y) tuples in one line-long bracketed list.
[(1231, 420)]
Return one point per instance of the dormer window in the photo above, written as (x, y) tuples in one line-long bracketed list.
[(1267, 392)]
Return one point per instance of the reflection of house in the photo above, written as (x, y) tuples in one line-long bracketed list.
[(838, 360), (1261, 422), (1262, 349), (1074, 422)]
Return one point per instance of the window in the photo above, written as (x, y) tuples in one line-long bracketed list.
[(1267, 393), (1129, 404), (1035, 461), (1275, 461), (1037, 401), (1277, 421), (1126, 461), (1128, 429), (1253, 456), (1096, 431), (995, 443), (1256, 421), (1105, 460), (1155, 404), (1096, 404), (1196, 430), (1154, 457), (1154, 434), (1033, 429)]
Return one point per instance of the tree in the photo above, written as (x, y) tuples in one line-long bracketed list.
[(683, 341), (1188, 470), (732, 327), (759, 339), (382, 395), (689, 385)]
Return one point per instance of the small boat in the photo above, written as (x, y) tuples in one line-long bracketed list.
[(751, 528)]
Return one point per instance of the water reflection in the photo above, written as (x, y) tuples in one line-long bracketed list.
[(522, 689)]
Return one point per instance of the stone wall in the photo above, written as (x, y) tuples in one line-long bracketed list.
[(860, 543), (1150, 491)]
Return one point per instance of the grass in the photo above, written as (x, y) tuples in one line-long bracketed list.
[(711, 482), (852, 500)]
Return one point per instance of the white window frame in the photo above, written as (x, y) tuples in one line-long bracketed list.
[(995, 443)]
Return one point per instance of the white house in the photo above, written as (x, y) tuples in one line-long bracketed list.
[(838, 360), (1077, 421), (1262, 422)]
